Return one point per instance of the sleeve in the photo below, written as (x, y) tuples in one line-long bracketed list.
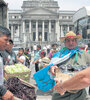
[(37, 56), (40, 60), (3, 90), (88, 59), (22, 57), (87, 56)]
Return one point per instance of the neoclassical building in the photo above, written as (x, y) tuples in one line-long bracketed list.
[(39, 22)]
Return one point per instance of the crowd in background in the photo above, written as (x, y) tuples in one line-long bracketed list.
[(41, 56)]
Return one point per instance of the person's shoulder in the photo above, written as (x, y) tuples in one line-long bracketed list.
[(28, 54), (5, 54), (22, 56), (13, 53), (46, 59), (85, 53)]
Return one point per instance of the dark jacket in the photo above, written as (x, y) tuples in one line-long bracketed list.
[(28, 59), (3, 90)]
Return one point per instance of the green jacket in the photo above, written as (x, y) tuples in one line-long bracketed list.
[(82, 59)]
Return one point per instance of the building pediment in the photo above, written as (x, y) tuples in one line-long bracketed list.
[(39, 11)]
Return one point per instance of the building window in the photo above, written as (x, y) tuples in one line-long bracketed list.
[(64, 29), (64, 17), (34, 26), (70, 28), (27, 26), (45, 36), (52, 26), (40, 26), (34, 36), (15, 17), (46, 26), (69, 17)]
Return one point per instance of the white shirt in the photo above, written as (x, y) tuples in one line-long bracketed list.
[(23, 58)]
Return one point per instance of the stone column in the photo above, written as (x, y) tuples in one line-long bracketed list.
[(23, 27), (12, 37), (57, 30), (18, 30), (62, 34), (24, 36), (25, 39), (30, 30), (30, 26), (37, 30), (43, 31), (49, 35), (68, 28)]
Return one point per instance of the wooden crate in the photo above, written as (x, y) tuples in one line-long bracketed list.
[(27, 84), (15, 98), (19, 75)]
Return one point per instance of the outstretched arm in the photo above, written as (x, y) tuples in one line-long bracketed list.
[(79, 81)]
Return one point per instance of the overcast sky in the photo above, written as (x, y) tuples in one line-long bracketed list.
[(63, 4)]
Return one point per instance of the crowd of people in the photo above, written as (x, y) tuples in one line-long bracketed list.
[(42, 57)]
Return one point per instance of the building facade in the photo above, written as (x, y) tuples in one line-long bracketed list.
[(81, 21), (39, 22), (3, 14)]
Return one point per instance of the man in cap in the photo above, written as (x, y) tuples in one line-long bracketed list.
[(4, 36), (80, 58)]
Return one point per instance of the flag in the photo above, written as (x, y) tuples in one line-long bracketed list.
[(44, 79)]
